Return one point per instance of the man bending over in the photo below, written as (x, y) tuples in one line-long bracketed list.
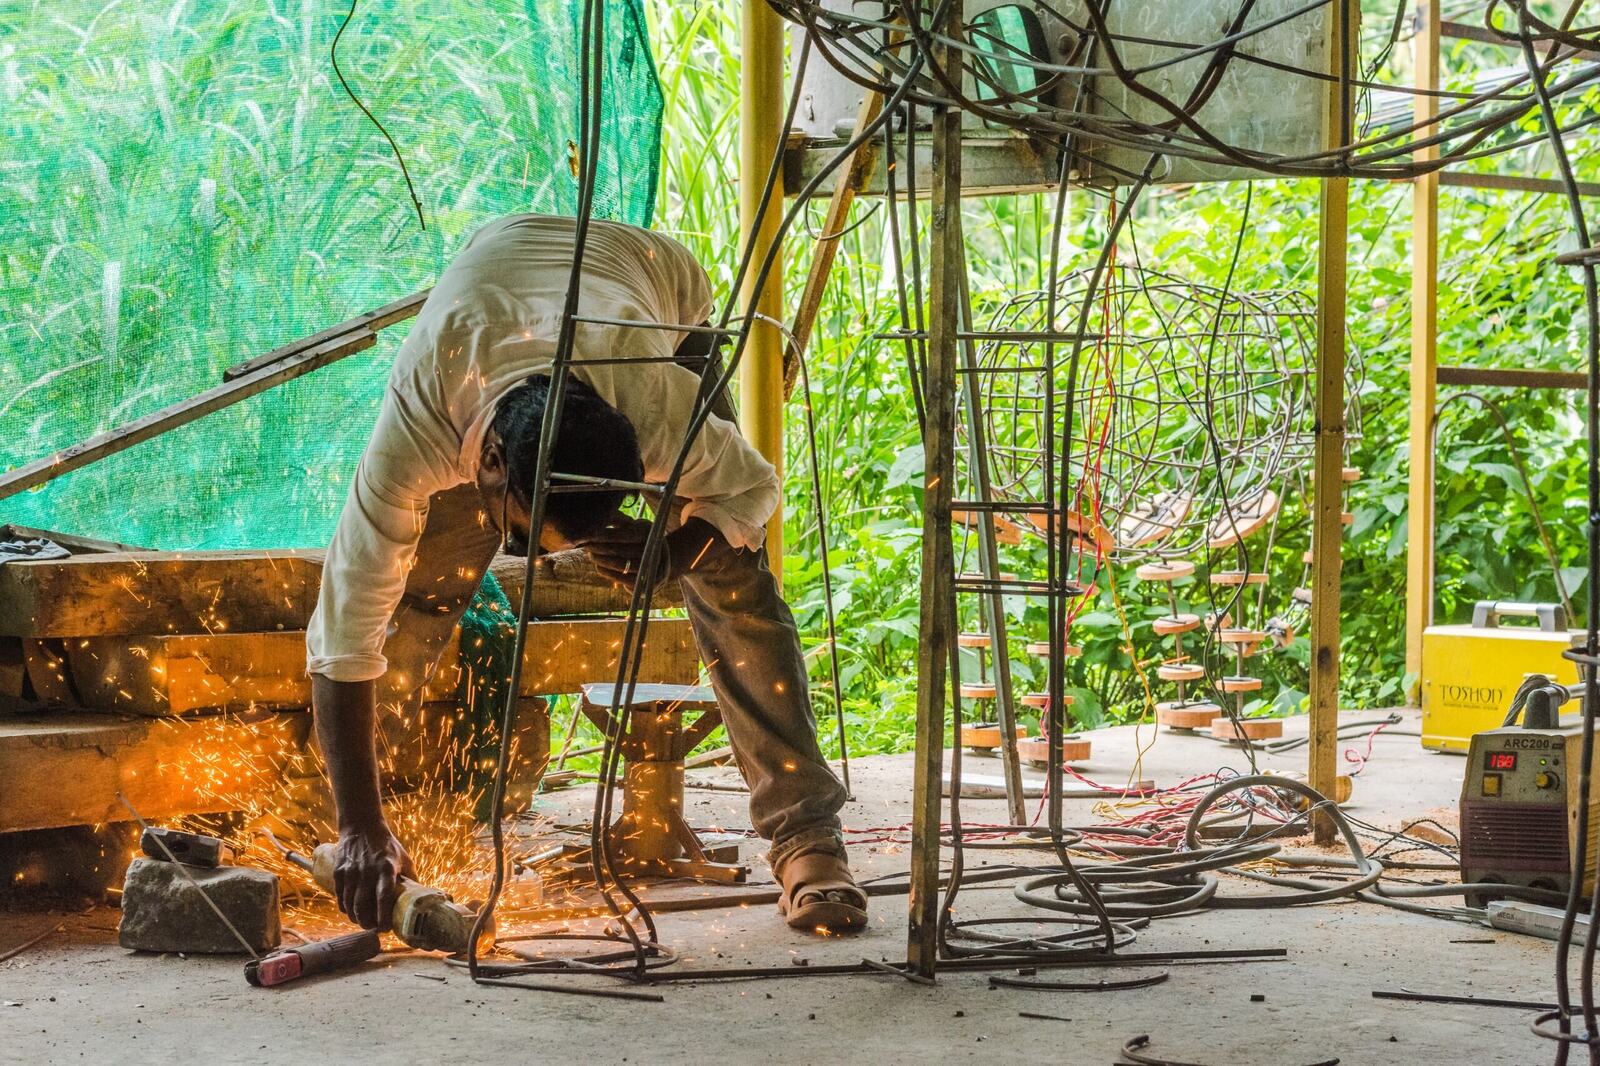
[(446, 481)]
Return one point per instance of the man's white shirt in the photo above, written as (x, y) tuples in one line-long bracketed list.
[(489, 324)]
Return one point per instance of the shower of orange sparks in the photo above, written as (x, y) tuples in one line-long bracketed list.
[(434, 817)]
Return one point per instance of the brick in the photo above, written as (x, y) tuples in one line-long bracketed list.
[(163, 911)]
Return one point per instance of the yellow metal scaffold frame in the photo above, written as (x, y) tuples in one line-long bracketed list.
[(1426, 373)]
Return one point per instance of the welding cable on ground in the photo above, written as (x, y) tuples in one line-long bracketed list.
[(1164, 882), (1133, 1052), (1346, 731), (1401, 897)]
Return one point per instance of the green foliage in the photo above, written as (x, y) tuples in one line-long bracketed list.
[(1500, 304), (206, 150)]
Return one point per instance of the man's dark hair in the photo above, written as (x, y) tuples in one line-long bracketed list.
[(594, 439)]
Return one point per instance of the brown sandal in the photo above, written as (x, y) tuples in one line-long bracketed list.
[(808, 879)]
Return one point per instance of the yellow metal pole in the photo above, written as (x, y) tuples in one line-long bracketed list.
[(760, 136), (1328, 457), (1424, 357)]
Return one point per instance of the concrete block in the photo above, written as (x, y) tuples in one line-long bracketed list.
[(163, 911)]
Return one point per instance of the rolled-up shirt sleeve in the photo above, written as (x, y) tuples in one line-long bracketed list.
[(725, 481), (732, 486), (375, 543)]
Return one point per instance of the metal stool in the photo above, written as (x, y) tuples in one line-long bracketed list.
[(650, 838)]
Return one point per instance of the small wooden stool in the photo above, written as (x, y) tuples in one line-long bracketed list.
[(1186, 716), (650, 837), (1246, 730), (984, 737), (1041, 648), (1035, 751)]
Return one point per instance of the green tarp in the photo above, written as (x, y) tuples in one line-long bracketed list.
[(185, 185)]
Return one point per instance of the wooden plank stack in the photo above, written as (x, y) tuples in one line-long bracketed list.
[(179, 678)]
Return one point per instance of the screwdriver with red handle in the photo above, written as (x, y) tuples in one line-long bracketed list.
[(319, 956)]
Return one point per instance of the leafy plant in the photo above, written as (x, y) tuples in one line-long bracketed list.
[(1500, 305)]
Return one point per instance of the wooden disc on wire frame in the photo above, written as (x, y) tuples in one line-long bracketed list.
[(1175, 623), (1240, 519), (985, 736), (1041, 648), (1168, 571), (1153, 520)]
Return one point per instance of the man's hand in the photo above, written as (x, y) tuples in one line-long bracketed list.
[(366, 875), (618, 549), (369, 860)]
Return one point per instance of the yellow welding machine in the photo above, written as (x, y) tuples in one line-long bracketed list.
[(1471, 672)]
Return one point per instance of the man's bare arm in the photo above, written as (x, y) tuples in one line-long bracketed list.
[(370, 859)]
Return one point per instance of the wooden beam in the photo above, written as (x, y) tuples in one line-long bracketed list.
[(117, 593), (1462, 179), (71, 541), (62, 768), (179, 674), (1424, 355), (564, 655), (937, 612), (827, 246), (1497, 378), (1328, 453), (182, 413), (373, 321), (149, 593), (761, 134)]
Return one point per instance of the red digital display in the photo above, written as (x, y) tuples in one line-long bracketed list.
[(1500, 760)]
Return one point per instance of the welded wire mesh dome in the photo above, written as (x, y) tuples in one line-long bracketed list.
[(1189, 405)]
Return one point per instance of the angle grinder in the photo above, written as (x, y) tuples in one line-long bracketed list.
[(427, 919)]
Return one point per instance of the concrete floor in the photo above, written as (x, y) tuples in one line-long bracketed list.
[(77, 997)]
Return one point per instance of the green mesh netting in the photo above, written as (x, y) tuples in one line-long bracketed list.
[(488, 647), (184, 185)]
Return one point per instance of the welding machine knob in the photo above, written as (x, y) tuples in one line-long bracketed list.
[(1546, 779)]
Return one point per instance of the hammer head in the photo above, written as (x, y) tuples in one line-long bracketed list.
[(191, 849)]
